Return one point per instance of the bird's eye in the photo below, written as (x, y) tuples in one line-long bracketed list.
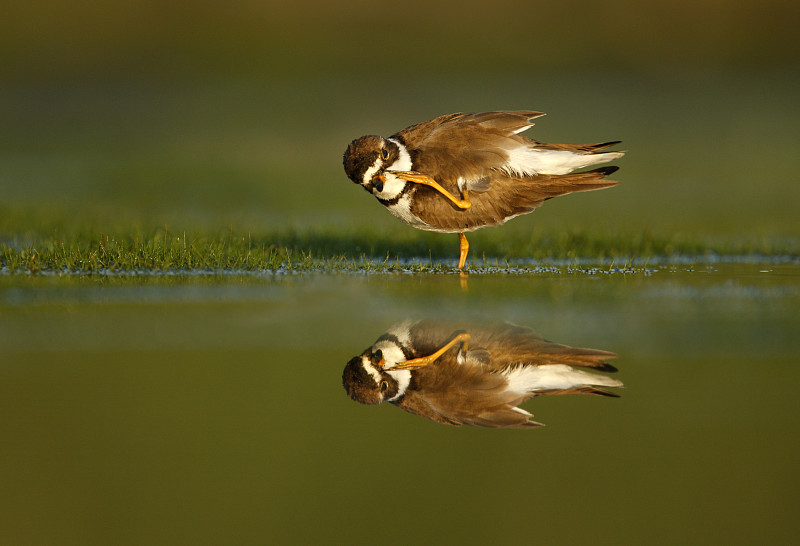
[(384, 153), (384, 386)]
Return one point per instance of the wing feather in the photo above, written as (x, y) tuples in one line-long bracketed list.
[(506, 197), (470, 147), (477, 387)]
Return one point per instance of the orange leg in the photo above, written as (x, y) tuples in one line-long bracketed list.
[(419, 178), (463, 248), (422, 361)]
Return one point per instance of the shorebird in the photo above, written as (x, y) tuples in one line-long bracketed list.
[(474, 376), (461, 172)]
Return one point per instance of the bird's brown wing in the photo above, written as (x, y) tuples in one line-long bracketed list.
[(498, 346), (465, 146), (510, 344), (506, 123), (461, 393), (506, 196)]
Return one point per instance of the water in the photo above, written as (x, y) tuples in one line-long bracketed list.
[(165, 410)]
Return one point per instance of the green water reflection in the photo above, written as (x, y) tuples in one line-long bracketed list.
[(163, 412)]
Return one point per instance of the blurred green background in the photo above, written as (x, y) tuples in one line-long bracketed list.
[(121, 116), (128, 40)]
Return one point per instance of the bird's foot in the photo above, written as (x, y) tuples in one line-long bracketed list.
[(414, 363), (419, 178)]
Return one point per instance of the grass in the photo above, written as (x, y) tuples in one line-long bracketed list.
[(346, 250)]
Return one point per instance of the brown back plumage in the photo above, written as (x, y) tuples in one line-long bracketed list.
[(473, 391), (455, 394), (508, 344), (507, 196), (465, 145)]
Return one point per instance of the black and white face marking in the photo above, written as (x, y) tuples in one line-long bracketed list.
[(371, 178), (363, 380), (361, 156), (370, 378), (390, 384), (400, 161), (369, 160), (394, 349), (394, 194), (378, 178)]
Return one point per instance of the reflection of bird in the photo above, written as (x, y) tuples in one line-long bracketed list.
[(475, 377), (460, 172)]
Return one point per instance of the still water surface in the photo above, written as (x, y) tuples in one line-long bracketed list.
[(172, 411)]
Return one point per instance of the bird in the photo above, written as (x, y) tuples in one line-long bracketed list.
[(460, 172), (476, 376)]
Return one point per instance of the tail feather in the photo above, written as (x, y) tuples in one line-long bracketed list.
[(580, 148), (562, 184), (574, 356), (595, 148), (583, 389)]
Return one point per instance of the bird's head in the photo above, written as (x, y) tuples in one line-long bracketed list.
[(367, 159), (366, 380)]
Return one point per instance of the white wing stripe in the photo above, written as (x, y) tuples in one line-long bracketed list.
[(526, 161), (528, 379)]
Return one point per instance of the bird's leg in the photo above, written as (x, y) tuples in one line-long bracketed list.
[(419, 178), (463, 279), (463, 248), (413, 364)]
